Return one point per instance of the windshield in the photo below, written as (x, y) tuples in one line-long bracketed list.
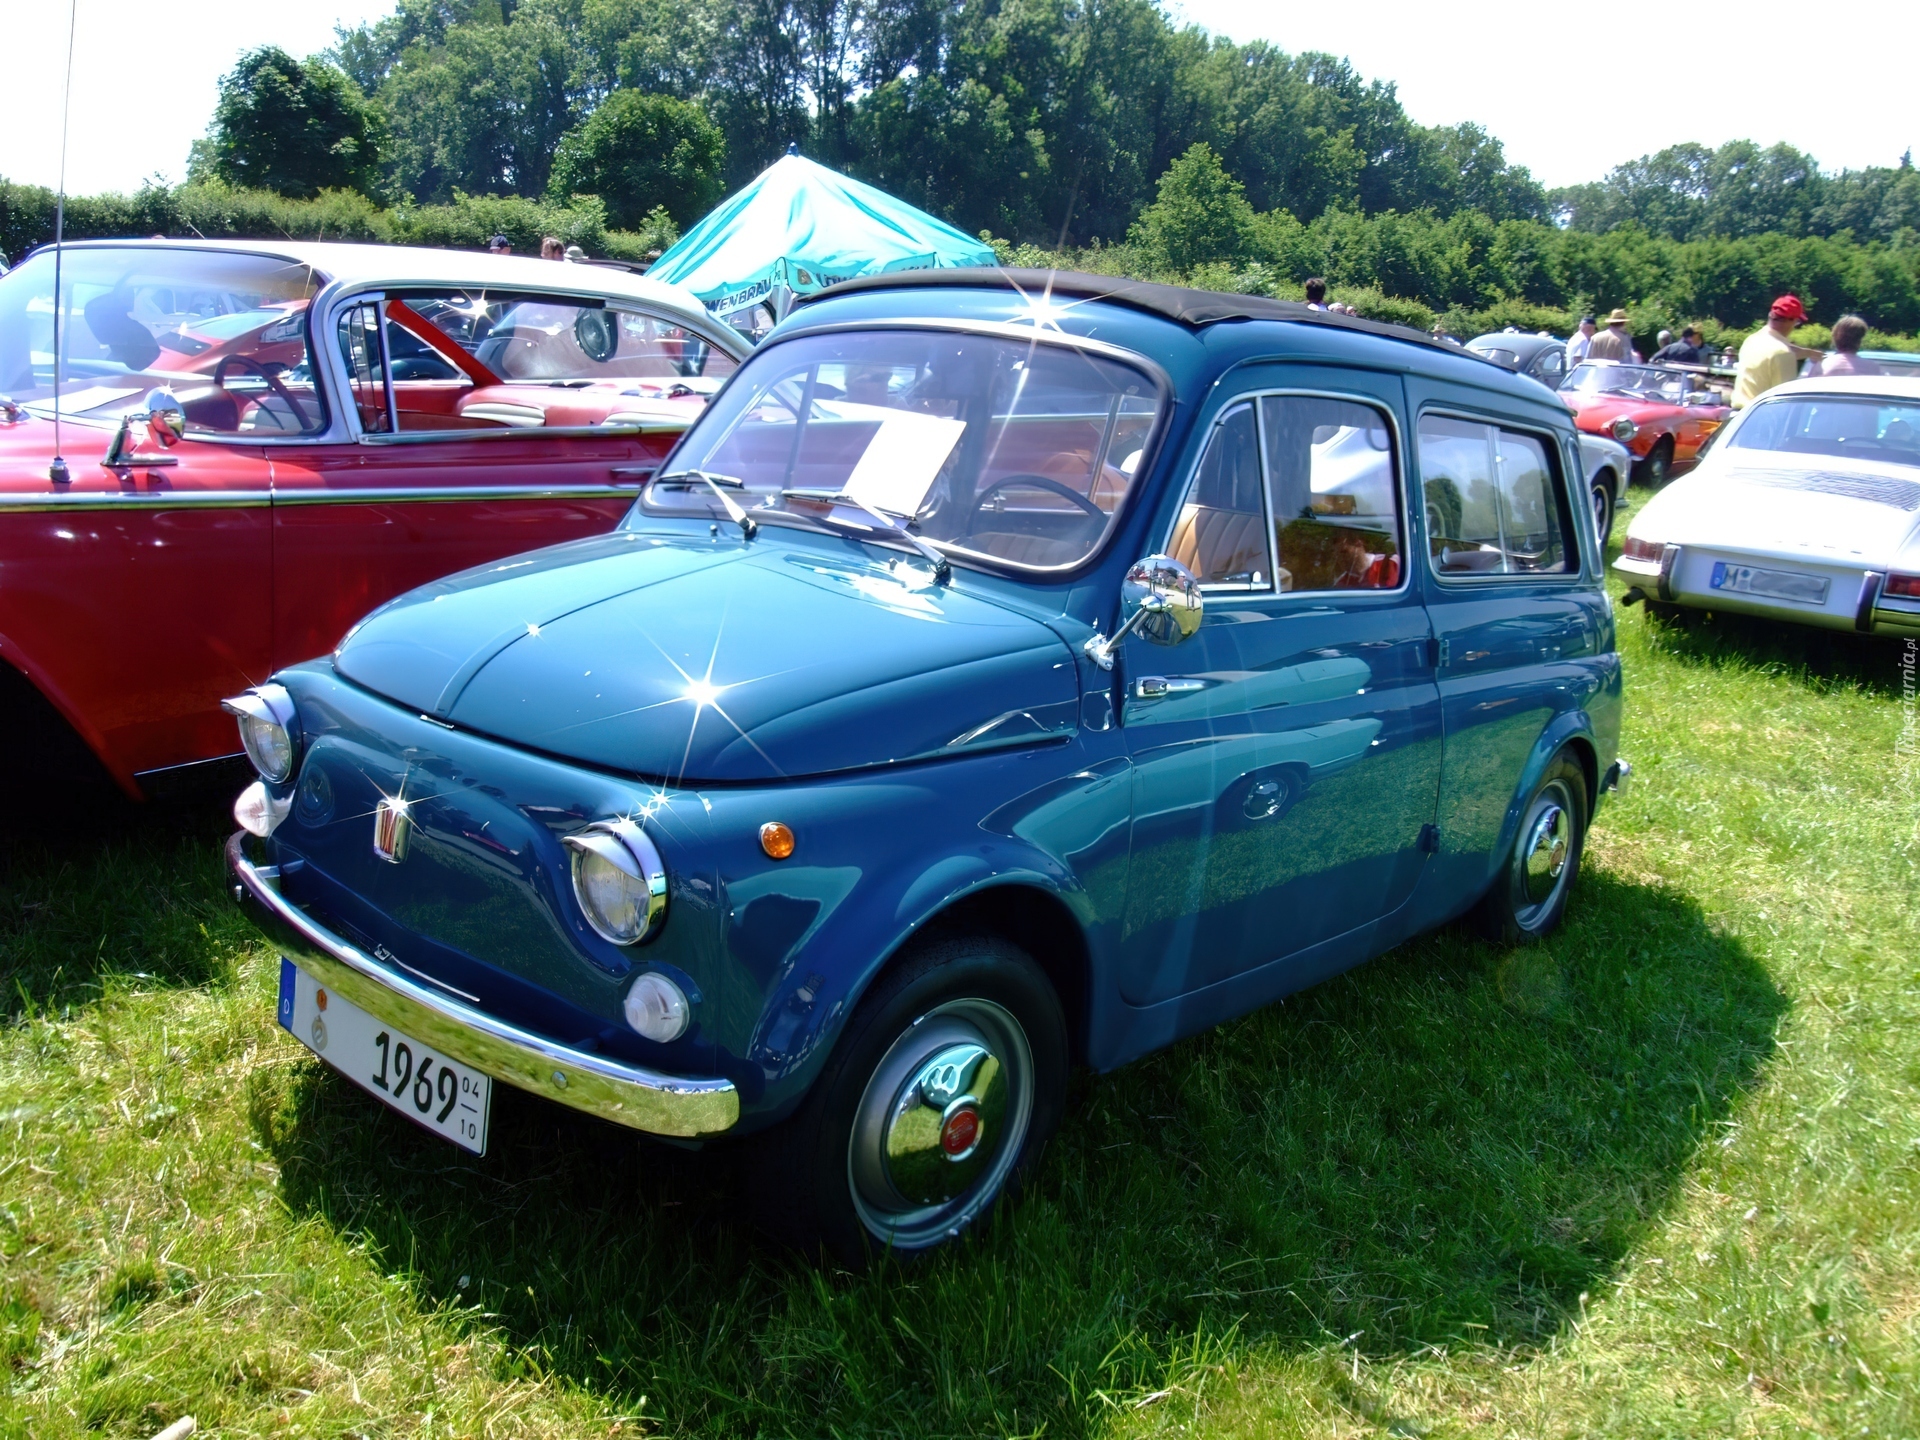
[(1012, 449), (225, 332), (1644, 382), (1843, 426)]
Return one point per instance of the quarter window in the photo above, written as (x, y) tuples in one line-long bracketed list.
[(1335, 494), (1493, 503), (1221, 535)]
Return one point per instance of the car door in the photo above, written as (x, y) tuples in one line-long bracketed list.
[(1287, 756), (1516, 624), (420, 487)]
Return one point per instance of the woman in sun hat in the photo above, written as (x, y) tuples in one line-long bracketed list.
[(1613, 343), (1769, 357)]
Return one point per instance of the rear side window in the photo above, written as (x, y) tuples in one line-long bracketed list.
[(1494, 504)]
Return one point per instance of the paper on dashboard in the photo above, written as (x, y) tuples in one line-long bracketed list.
[(898, 467)]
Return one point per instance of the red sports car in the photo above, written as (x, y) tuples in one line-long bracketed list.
[(1663, 414), (242, 448)]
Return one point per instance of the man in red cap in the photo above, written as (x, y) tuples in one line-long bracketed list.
[(1769, 357)]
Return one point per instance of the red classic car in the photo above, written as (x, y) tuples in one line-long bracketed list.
[(1662, 413), (249, 446)]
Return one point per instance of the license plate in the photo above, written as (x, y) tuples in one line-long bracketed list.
[(445, 1096), (1775, 584)]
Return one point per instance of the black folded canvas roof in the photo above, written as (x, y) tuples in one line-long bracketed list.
[(1194, 308)]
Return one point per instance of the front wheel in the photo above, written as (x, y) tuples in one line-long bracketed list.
[(940, 1098), (1529, 897), (1658, 465)]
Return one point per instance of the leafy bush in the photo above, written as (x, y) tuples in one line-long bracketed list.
[(641, 153)]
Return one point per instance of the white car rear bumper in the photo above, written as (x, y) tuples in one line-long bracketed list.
[(1806, 592)]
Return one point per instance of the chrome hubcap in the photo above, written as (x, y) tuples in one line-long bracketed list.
[(1546, 845), (940, 1124)]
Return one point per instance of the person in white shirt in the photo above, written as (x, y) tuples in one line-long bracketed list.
[(1581, 341)]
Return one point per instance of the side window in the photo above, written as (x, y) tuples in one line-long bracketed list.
[(366, 367), (1221, 535), (1493, 503), (1336, 497), (1552, 367)]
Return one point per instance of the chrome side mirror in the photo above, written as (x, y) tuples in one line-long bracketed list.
[(166, 419), (1164, 604)]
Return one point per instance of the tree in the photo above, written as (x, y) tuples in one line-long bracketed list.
[(1201, 215), (293, 128), (639, 151)]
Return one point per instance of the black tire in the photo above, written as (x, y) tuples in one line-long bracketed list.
[(1529, 896), (1654, 470), (828, 1177), (1600, 497)]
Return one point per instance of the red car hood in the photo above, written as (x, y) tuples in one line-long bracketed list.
[(1599, 412)]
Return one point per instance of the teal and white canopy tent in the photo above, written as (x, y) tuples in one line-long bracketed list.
[(799, 227)]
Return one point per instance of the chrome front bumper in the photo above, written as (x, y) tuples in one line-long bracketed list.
[(625, 1094)]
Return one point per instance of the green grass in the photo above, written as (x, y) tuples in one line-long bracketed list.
[(1656, 1177)]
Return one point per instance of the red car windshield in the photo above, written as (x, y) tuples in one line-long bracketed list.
[(225, 332), (1641, 382)]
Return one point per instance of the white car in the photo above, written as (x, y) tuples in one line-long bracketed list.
[(1806, 507)]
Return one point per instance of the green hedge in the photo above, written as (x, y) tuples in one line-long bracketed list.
[(216, 211)]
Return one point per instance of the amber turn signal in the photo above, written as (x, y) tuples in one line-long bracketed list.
[(776, 839)]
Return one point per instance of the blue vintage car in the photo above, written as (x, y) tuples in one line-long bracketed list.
[(1007, 671)]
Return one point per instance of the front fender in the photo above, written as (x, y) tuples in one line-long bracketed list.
[(813, 937)]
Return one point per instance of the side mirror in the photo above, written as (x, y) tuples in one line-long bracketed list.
[(166, 420), (1163, 602)]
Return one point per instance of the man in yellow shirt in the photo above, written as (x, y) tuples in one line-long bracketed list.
[(1769, 357)]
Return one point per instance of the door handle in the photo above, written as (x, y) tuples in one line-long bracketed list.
[(642, 473), (1159, 687)]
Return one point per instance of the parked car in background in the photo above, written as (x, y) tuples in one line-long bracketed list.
[(1663, 414), (1541, 357), (1806, 509), (1003, 672), (1605, 462), (1898, 363), (315, 427)]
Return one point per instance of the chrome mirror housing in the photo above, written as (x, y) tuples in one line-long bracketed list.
[(1164, 604), (166, 418)]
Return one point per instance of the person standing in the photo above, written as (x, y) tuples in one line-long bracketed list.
[(1769, 357), (1848, 332), (499, 245), (552, 249), (1613, 343), (1581, 340), (1687, 350), (1316, 294)]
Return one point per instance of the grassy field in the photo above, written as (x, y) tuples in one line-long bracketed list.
[(1655, 1178)]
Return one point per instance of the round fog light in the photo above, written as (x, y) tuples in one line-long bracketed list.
[(255, 811), (657, 1008)]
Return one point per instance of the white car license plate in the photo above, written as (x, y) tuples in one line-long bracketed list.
[(1774, 584), (447, 1097)]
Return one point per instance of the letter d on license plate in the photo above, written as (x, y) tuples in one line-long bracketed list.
[(447, 1097)]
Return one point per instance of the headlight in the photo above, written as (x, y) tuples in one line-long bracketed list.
[(619, 880), (269, 729), (1624, 429), (657, 1008)]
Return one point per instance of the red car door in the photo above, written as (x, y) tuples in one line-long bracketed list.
[(356, 523)]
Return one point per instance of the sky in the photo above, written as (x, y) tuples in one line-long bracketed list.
[(1566, 105)]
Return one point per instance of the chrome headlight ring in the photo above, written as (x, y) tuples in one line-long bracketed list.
[(269, 729), (1624, 429), (619, 881)]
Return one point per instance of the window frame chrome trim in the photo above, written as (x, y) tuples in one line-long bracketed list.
[(1398, 452)]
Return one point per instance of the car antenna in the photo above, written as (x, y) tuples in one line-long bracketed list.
[(58, 472)]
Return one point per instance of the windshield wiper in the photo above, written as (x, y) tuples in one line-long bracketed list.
[(942, 567), (714, 481)]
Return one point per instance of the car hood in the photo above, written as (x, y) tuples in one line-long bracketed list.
[(1839, 511), (693, 660), (1599, 413)]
